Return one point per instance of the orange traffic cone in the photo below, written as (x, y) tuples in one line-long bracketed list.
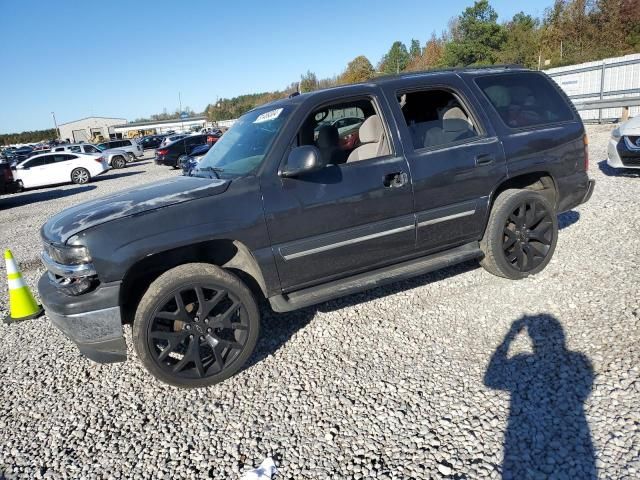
[(22, 305)]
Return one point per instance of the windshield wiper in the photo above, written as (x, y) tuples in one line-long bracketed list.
[(215, 170)]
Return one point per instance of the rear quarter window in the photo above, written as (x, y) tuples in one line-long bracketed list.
[(525, 99)]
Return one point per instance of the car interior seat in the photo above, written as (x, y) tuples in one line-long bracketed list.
[(372, 139), (328, 143)]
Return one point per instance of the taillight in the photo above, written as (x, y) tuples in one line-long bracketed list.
[(163, 151), (585, 140), (99, 159)]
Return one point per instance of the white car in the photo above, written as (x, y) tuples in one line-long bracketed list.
[(56, 168), (624, 146), (171, 139)]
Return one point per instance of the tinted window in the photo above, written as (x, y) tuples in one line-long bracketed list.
[(91, 149), (436, 118), (195, 140), (34, 162), (525, 99), (74, 148), (62, 158)]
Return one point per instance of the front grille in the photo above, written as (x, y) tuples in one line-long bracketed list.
[(630, 162)]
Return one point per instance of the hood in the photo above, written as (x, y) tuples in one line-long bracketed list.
[(131, 202), (631, 127)]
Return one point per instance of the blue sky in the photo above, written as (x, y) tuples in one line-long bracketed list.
[(131, 58)]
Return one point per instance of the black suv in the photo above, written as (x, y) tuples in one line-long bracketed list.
[(449, 166), (169, 154)]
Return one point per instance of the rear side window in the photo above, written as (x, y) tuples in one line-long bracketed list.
[(525, 99)]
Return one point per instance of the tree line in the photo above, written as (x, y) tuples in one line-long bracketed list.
[(569, 32)]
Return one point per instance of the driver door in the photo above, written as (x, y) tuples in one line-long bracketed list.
[(343, 219)]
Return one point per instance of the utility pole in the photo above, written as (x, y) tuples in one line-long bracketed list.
[(56, 125), (181, 120)]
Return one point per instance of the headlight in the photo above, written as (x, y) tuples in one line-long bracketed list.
[(615, 134), (68, 254)]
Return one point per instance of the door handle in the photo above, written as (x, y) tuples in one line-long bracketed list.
[(395, 179), (484, 159)]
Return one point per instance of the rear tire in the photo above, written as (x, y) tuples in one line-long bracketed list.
[(521, 234), (80, 176), (118, 162), (196, 326)]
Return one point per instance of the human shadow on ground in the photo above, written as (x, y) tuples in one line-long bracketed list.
[(278, 328), (33, 196), (567, 219), (618, 172), (548, 434)]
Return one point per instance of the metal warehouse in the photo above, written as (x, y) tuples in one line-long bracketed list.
[(608, 79), (89, 129)]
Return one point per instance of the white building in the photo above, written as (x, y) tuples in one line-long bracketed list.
[(89, 129)]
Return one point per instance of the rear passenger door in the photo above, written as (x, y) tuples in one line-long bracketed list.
[(455, 157)]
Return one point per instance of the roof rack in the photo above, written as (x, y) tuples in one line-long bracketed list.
[(505, 66)]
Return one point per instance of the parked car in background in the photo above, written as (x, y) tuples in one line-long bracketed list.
[(171, 138), (131, 146), (116, 158), (21, 153), (169, 154), (624, 146), (8, 183), (59, 167), (189, 162), (151, 141)]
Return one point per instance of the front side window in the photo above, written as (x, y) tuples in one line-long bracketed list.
[(340, 140), (525, 99), (90, 149), (436, 118), (243, 148)]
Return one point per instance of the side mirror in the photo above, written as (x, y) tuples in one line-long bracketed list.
[(301, 160)]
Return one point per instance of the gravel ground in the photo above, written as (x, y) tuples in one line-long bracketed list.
[(456, 374)]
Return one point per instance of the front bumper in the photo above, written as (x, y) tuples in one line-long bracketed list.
[(92, 320), (619, 155)]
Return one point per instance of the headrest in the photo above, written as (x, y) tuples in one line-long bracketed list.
[(327, 137), (454, 113), (499, 95), (371, 130), (455, 125)]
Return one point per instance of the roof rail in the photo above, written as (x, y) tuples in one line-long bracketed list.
[(506, 66)]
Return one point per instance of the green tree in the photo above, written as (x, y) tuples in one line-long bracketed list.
[(477, 38), (522, 43), (415, 50), (308, 82), (358, 70), (396, 59)]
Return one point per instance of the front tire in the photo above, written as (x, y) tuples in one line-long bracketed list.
[(118, 162), (196, 326), (80, 176), (132, 157), (521, 234)]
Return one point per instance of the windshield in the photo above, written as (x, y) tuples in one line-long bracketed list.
[(243, 147)]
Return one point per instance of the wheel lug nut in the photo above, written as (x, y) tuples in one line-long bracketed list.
[(206, 320), (201, 338), (208, 330), (196, 319), (187, 326)]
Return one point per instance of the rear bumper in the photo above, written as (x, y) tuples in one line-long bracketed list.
[(92, 321), (169, 162), (574, 190)]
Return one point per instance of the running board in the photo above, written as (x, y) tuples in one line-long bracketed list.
[(382, 276)]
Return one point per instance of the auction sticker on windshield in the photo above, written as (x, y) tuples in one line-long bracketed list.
[(267, 116)]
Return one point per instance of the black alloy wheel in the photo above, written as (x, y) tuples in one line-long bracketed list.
[(196, 325), (528, 235), (521, 234)]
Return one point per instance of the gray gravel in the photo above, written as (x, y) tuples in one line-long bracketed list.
[(397, 382)]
